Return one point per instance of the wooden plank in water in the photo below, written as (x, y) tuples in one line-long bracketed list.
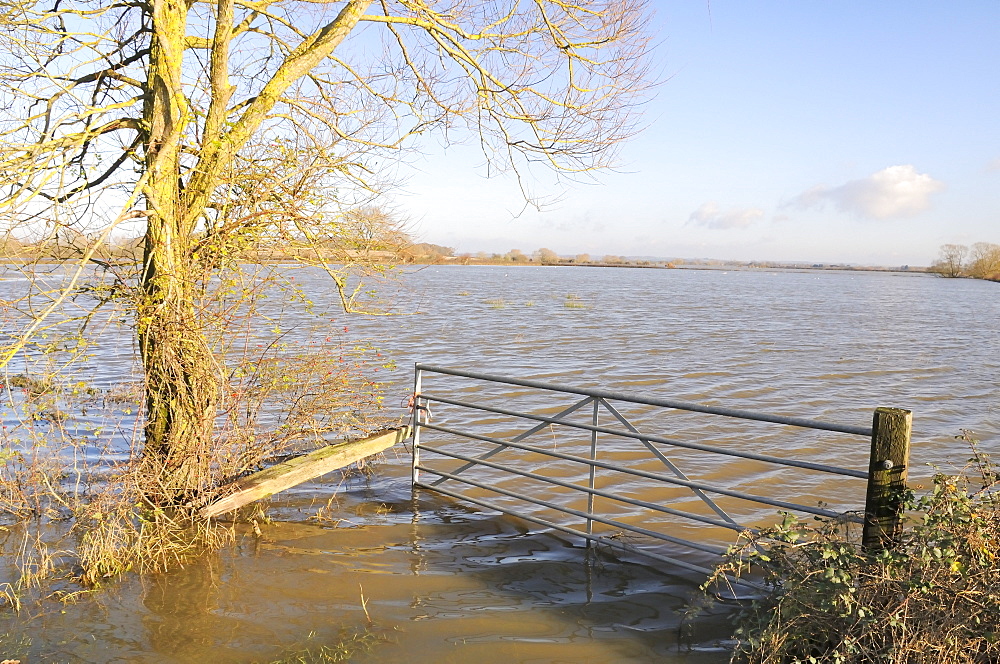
[(300, 469)]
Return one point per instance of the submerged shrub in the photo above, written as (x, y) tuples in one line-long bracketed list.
[(934, 597)]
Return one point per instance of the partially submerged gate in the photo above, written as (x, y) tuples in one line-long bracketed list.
[(587, 463)]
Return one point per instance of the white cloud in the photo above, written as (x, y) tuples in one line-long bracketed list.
[(897, 191), (710, 216), (993, 165)]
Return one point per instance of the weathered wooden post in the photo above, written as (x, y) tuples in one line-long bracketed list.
[(887, 468), (302, 468)]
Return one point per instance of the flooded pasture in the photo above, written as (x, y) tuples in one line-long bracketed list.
[(363, 565)]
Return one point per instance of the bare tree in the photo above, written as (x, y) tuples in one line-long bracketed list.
[(984, 261), (223, 125), (951, 261), (546, 256)]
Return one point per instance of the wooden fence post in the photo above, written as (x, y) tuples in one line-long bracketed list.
[(887, 468)]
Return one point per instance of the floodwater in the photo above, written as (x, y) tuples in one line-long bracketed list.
[(364, 564)]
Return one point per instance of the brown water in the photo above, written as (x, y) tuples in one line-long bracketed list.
[(446, 582)]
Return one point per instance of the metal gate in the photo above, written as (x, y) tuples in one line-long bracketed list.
[(573, 464)]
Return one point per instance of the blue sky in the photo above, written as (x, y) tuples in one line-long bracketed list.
[(863, 132)]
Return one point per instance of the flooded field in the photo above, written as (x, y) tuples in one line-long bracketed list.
[(364, 565)]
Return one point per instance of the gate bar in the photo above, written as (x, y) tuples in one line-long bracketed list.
[(859, 474), (731, 525), (668, 463), (625, 546), (642, 473), (654, 401), (521, 436), (707, 548)]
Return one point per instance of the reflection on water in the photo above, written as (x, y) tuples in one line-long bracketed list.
[(444, 582), (440, 583)]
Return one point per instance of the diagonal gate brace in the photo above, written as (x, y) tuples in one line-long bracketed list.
[(501, 447)]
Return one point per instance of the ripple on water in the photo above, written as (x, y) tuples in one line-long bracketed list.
[(451, 582)]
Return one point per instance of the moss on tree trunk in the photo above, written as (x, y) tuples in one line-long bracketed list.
[(181, 380)]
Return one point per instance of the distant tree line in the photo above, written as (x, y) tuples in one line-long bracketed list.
[(369, 231), (978, 261), (545, 256), (425, 251)]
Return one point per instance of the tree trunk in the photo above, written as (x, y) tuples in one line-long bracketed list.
[(182, 382), (181, 378)]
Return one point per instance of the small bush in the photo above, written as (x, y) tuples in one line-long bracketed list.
[(31, 384), (933, 598)]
